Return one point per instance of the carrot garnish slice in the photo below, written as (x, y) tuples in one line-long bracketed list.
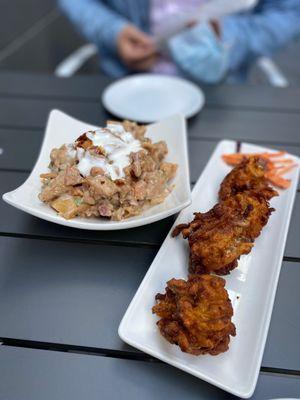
[(278, 181), (272, 155), (284, 161), (233, 159), (284, 170)]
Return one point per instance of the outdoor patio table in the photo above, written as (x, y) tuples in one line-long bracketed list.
[(64, 291)]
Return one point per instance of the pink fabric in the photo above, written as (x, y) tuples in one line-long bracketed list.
[(161, 11)]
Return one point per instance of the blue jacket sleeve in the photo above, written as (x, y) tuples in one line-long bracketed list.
[(261, 33), (97, 22)]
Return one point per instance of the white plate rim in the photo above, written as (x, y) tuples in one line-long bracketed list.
[(193, 111)]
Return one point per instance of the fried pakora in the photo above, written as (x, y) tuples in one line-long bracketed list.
[(249, 175), (275, 165), (220, 236), (196, 314)]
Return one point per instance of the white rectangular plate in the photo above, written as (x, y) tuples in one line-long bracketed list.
[(251, 287), (61, 128)]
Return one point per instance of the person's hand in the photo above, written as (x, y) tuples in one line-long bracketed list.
[(136, 49)]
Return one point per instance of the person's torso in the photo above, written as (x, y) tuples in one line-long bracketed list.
[(150, 16)]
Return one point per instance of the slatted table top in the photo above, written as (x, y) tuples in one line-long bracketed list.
[(65, 290)]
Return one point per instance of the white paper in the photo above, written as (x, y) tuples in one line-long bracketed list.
[(208, 10)]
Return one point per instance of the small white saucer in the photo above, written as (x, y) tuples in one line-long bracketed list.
[(152, 97)]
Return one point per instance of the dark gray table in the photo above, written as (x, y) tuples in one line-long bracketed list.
[(64, 291)]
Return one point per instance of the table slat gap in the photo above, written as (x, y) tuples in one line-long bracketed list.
[(119, 354)]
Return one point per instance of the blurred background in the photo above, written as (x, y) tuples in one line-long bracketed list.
[(36, 37)]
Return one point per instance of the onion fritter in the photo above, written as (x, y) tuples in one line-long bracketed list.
[(196, 314), (248, 175), (220, 236)]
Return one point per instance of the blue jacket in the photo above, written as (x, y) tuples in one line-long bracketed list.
[(245, 36)]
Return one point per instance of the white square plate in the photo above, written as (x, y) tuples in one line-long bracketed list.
[(251, 287), (61, 128)]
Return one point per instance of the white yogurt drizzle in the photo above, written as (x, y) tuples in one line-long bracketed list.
[(117, 145), (71, 150)]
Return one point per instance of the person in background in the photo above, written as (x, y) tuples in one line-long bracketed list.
[(124, 32)]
